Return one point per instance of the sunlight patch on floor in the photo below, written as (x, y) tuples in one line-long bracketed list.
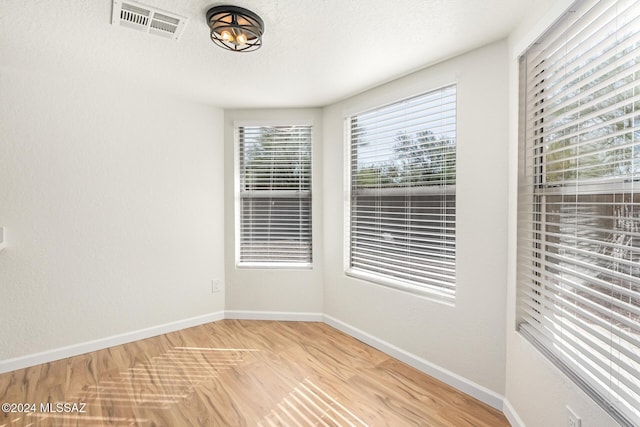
[(308, 405), (159, 383)]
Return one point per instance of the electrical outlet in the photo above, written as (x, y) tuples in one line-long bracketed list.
[(215, 285), (573, 420)]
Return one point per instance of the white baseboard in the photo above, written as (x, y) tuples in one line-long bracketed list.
[(274, 315), (511, 414), (481, 393), (102, 343)]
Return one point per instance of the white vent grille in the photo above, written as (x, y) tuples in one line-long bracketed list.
[(148, 19)]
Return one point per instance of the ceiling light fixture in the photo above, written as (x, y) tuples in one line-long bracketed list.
[(235, 28)]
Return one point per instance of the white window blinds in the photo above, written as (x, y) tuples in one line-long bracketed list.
[(402, 194), (275, 195), (579, 201)]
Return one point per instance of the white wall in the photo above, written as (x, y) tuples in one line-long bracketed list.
[(277, 292), (467, 339), (537, 391), (112, 201)]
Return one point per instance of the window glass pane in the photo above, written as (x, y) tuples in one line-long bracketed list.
[(402, 212), (275, 195), (579, 201)]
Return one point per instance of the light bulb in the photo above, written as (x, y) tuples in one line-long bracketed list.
[(242, 39), (226, 36)]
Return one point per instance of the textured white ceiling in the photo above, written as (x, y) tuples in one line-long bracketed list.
[(314, 52)]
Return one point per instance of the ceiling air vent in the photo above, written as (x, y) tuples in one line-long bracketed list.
[(148, 19)]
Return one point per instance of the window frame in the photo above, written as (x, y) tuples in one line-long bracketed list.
[(269, 265), (430, 292)]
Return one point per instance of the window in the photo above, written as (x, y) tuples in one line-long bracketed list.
[(274, 196), (402, 194), (579, 201)]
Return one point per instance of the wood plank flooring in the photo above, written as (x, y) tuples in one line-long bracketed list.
[(239, 373)]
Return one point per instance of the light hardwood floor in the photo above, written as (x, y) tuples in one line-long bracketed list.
[(240, 373)]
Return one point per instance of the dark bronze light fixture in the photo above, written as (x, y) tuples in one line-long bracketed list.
[(235, 28)]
